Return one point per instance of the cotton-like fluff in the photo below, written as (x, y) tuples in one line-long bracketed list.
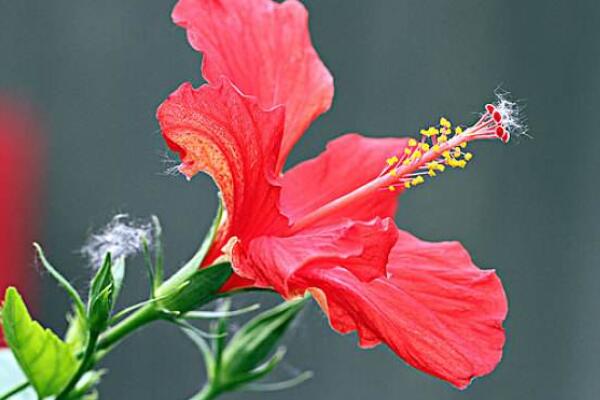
[(122, 237)]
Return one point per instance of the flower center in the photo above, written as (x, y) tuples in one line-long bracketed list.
[(439, 148)]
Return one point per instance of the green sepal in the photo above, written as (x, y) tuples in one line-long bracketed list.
[(200, 342), (252, 344), (101, 298), (219, 329), (191, 267), (258, 372), (62, 281), (47, 362), (199, 288)]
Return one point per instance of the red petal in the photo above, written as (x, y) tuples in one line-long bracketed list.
[(362, 247), (349, 162), (217, 130), (437, 310), (20, 170), (264, 48)]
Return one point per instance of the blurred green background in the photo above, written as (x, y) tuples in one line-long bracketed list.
[(97, 70)]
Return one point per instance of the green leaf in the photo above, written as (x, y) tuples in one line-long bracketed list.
[(258, 338), (62, 281), (101, 298), (191, 267), (47, 361), (201, 287)]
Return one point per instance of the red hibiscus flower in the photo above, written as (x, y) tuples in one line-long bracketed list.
[(325, 226), (19, 169)]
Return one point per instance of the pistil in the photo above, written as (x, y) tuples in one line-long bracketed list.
[(440, 147)]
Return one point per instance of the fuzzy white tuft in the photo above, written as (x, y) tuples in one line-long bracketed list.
[(513, 119), (122, 237), (171, 165)]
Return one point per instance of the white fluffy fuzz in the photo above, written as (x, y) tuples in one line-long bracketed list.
[(512, 114), (122, 237)]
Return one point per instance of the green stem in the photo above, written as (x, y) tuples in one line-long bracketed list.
[(99, 346), (14, 391), (86, 363), (141, 317)]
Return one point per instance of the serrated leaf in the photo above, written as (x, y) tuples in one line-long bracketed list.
[(47, 361)]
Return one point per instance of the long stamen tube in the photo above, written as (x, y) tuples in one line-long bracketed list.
[(440, 147)]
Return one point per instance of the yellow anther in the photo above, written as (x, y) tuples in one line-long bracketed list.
[(441, 167), (417, 154), (412, 142), (443, 139), (445, 123), (461, 163), (431, 172), (417, 181), (468, 156), (392, 188), (393, 172), (457, 152), (436, 147), (446, 154), (432, 131), (407, 184), (463, 145), (407, 151), (458, 130), (406, 162), (425, 146), (392, 160)]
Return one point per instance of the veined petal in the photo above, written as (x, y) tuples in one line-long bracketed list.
[(349, 162), (217, 130), (265, 49), (436, 310), (361, 247)]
